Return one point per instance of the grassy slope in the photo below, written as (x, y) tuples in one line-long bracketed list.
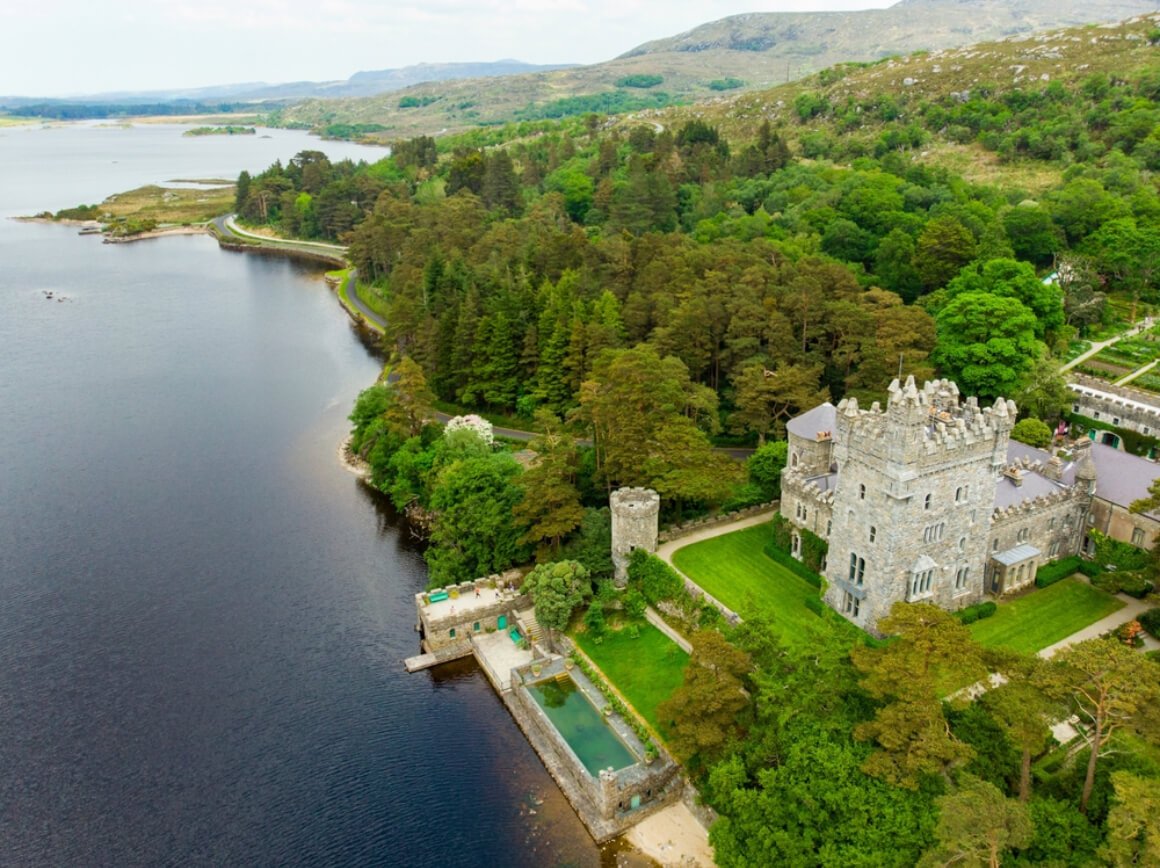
[(646, 670), (1045, 616), (170, 204), (735, 570)]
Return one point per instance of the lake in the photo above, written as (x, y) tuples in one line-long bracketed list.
[(202, 613)]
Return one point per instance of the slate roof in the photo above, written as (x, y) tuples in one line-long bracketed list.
[(822, 418), (1007, 493), (825, 482), (1122, 477)]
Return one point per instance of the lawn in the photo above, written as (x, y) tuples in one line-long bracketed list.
[(646, 670), (1045, 616), (735, 570)]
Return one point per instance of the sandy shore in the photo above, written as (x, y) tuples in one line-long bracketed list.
[(159, 233), (352, 462), (673, 837)]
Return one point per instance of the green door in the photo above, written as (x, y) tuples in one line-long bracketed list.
[(501, 623)]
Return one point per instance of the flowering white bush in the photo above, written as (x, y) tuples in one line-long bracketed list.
[(475, 424)]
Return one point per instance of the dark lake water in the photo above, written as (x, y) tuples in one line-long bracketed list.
[(202, 614)]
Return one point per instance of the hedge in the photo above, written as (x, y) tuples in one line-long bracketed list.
[(1049, 574), (977, 612), (793, 564), (1150, 621)]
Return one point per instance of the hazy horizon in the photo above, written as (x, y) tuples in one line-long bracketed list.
[(62, 48)]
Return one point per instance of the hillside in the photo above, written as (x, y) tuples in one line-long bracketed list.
[(739, 53), (362, 83), (842, 112)]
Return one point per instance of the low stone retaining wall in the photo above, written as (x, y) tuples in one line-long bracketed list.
[(677, 531), (654, 618), (603, 803)]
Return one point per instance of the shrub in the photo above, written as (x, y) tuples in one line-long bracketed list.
[(642, 80), (1033, 432), (1150, 621), (977, 612), (814, 604), (792, 564), (709, 616), (633, 631), (656, 579), (634, 603), (1133, 584), (594, 621), (1049, 574)]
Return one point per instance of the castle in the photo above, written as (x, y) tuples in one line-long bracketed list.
[(928, 499)]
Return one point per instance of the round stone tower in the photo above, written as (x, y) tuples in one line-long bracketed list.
[(635, 525)]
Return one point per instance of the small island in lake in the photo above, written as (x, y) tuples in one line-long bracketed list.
[(229, 130)]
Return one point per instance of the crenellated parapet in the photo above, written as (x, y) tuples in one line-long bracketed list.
[(926, 426)]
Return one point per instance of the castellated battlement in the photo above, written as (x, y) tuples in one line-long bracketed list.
[(806, 488), (925, 427), (638, 502)]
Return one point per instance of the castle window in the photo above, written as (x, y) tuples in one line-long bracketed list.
[(861, 491), (1075, 408), (1051, 524), (793, 461), (1067, 520), (476, 626), (1137, 537), (1096, 414), (1115, 421), (857, 569), (829, 526), (1022, 535), (920, 582), (1054, 550), (995, 544), (961, 578), (961, 493), (873, 532), (452, 633), (926, 503), (962, 544), (851, 604), (805, 513)]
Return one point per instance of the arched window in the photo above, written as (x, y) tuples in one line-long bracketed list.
[(926, 502), (861, 491)]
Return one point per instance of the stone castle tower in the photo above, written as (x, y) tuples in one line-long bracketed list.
[(635, 525), (914, 490)]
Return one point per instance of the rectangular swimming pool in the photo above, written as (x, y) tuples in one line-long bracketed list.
[(581, 725)]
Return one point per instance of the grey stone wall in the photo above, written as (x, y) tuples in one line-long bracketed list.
[(635, 525), (809, 456), (1121, 406), (1053, 524), (436, 628), (604, 803), (685, 528), (914, 493)]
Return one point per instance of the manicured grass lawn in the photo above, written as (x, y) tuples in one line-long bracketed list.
[(1045, 616), (735, 570), (646, 670)]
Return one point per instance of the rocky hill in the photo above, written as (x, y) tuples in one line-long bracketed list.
[(735, 54)]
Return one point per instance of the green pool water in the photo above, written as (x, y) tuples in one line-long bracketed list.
[(581, 725)]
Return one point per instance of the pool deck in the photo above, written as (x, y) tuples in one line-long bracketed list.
[(498, 655)]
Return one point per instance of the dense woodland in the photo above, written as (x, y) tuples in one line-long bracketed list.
[(648, 289)]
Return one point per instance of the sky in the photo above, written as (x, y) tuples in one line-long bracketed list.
[(69, 47)]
